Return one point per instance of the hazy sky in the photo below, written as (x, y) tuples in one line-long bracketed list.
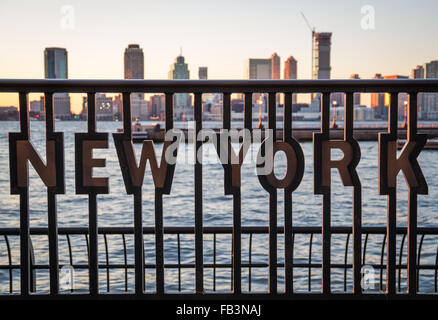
[(219, 34)]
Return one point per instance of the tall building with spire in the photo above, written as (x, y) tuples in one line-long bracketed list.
[(179, 70), (56, 67)]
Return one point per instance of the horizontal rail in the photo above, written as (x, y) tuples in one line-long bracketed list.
[(215, 230), (223, 86)]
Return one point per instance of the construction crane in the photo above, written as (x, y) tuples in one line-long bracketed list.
[(312, 29)]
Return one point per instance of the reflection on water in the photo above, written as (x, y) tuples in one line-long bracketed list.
[(116, 209)]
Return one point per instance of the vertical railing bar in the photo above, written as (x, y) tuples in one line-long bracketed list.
[(418, 262), (226, 113), (51, 204), (159, 242), (272, 125), (236, 272), (326, 204), (250, 262), (436, 270), (138, 215), (32, 268), (365, 248), (125, 259), (288, 219), (126, 100), (159, 224), (400, 260), (391, 231), (88, 246), (70, 255), (92, 208), (345, 261), (412, 203), (138, 244), (232, 266), (357, 199), (179, 262), (199, 252), (247, 117), (107, 263), (11, 278), (214, 262), (24, 206), (382, 254), (309, 275)]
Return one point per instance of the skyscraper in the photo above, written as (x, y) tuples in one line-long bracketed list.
[(430, 100), (203, 73), (134, 62), (259, 69), (356, 97), (418, 73), (180, 70), (55, 63), (402, 97), (378, 100), (56, 67), (275, 66), (322, 48), (134, 69), (290, 72)]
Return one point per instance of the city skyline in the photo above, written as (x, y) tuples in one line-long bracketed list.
[(263, 29)]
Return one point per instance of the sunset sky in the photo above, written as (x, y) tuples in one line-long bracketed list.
[(219, 34)]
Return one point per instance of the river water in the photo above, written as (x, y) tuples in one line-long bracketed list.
[(116, 209)]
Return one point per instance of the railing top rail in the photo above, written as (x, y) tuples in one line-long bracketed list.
[(206, 86)]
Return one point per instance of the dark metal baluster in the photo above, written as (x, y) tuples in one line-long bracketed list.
[(400, 259), (237, 223), (199, 252), (107, 263), (391, 229), (179, 261), (159, 224), (288, 220), (92, 208), (418, 262), (250, 262), (214, 262), (382, 254), (247, 117), (51, 205), (272, 205), (345, 261), (11, 278), (326, 205), (24, 206), (70, 255), (309, 276), (357, 198), (125, 259), (138, 215), (412, 204)]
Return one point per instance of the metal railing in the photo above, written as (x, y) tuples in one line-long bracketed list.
[(409, 166)]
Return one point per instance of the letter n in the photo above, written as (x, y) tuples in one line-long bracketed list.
[(21, 151)]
